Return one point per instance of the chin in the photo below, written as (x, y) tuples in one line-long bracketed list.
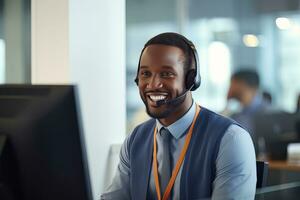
[(158, 114)]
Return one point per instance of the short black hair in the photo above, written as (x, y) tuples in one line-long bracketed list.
[(177, 40), (250, 77)]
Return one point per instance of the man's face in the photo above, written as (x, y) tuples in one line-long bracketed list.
[(236, 89), (161, 77)]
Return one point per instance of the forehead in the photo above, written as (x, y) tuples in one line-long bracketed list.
[(158, 54)]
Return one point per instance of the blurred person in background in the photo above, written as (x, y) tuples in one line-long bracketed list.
[(244, 87)]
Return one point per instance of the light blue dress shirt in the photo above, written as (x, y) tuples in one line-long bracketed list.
[(235, 164)]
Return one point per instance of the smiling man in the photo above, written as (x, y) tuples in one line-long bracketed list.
[(162, 77), (185, 151)]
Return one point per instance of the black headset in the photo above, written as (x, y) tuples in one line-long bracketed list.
[(193, 78)]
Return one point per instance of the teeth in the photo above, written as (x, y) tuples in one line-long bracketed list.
[(157, 98)]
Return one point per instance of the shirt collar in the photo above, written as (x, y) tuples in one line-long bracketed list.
[(178, 128)]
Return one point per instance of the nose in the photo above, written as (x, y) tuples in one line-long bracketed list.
[(154, 82)]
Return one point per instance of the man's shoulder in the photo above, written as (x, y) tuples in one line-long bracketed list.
[(141, 136), (217, 120)]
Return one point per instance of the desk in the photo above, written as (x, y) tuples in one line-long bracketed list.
[(284, 165), (281, 171), (288, 191)]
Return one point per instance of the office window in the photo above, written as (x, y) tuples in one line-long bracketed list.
[(289, 64), (279, 57), (15, 51), (214, 39)]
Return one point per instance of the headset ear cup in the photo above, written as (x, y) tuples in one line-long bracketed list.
[(190, 78), (136, 80)]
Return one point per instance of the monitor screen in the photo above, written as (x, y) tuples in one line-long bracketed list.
[(42, 148), (273, 131)]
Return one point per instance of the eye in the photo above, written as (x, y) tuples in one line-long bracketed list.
[(167, 74), (145, 73)]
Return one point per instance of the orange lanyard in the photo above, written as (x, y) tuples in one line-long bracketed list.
[(178, 163)]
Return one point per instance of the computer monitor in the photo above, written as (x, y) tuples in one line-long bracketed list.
[(42, 148), (273, 131)]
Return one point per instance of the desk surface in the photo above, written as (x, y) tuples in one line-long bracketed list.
[(288, 191), (283, 165)]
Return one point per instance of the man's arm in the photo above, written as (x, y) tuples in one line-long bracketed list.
[(235, 166), (120, 187)]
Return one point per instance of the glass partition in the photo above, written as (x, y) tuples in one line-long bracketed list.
[(15, 41)]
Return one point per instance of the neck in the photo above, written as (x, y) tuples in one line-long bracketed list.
[(179, 112)]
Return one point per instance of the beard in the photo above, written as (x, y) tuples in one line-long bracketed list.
[(170, 108), (159, 115)]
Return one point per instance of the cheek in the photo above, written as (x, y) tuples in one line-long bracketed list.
[(141, 88), (182, 84), (179, 86), (141, 85)]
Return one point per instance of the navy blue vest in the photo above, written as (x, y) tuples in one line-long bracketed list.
[(198, 172)]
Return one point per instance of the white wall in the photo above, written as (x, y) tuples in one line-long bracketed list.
[(97, 59), (50, 41), (85, 42)]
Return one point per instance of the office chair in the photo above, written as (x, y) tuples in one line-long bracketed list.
[(262, 173)]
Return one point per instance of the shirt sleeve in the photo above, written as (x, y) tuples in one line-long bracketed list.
[(235, 166), (119, 189)]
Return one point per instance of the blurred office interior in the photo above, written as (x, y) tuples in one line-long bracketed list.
[(260, 34), (228, 34)]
